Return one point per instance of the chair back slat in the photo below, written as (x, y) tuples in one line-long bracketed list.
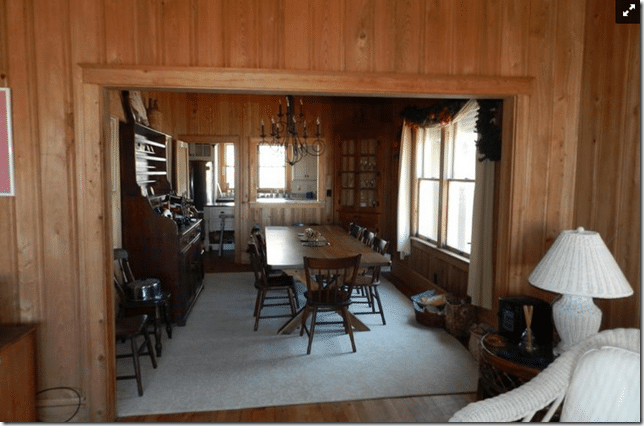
[(331, 280)]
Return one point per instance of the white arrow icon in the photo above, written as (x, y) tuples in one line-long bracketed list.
[(629, 9)]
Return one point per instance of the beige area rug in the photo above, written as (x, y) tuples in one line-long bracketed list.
[(217, 361)]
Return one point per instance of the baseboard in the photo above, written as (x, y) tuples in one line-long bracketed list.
[(61, 409)]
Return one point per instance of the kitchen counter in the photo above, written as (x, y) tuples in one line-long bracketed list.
[(286, 201)]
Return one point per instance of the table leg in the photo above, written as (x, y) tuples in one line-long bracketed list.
[(294, 322)]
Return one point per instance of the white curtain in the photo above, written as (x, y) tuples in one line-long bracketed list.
[(480, 277), (404, 193)]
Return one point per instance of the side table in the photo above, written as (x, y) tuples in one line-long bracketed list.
[(18, 373), (503, 367)]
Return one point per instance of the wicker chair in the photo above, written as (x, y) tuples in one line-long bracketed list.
[(597, 380)]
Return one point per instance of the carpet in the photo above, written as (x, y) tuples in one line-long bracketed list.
[(217, 361)]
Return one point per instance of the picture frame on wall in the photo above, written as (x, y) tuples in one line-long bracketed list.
[(7, 184)]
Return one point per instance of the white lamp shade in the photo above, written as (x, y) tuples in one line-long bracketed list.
[(579, 263)]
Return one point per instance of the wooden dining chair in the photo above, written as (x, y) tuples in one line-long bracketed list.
[(268, 285), (355, 230), (154, 307), (329, 283), (368, 283), (367, 237), (130, 329)]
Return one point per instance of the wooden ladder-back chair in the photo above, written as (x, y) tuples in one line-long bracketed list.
[(130, 328), (270, 284), (368, 284), (153, 307), (329, 285)]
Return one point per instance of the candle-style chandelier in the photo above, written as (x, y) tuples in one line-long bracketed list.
[(286, 132)]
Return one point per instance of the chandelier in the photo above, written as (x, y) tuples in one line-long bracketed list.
[(290, 131)]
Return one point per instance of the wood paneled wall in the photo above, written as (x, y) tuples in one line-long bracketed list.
[(580, 116), (608, 190)]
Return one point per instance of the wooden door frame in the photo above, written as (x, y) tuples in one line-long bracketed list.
[(92, 83)]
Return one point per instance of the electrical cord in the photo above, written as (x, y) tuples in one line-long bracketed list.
[(66, 388)]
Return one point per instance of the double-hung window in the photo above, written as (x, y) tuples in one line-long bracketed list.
[(271, 162), (445, 158)]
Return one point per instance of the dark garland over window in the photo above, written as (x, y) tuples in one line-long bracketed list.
[(488, 123)]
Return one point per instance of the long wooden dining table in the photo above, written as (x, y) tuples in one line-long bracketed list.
[(285, 250)]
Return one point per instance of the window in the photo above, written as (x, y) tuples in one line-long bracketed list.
[(445, 181), (271, 161), (229, 165)]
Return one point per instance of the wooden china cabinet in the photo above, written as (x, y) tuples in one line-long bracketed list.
[(359, 176), (167, 248)]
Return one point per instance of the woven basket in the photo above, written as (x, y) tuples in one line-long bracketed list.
[(459, 315), (431, 318)]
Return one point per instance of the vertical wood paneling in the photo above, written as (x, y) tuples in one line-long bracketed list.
[(297, 35), (466, 30), (409, 47), (566, 90), (26, 282), (120, 35), (490, 40), (240, 34), (209, 38), (541, 48), (327, 35), (270, 35), (176, 29), (57, 158), (439, 55), (9, 287), (607, 196), (148, 38), (515, 16), (358, 35)]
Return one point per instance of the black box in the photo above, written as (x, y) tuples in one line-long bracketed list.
[(512, 319)]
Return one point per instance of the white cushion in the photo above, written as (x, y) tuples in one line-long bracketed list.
[(605, 387)]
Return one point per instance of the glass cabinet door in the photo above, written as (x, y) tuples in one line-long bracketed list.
[(347, 173), (367, 174)]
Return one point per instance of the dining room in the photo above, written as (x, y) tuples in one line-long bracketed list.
[(218, 365), (274, 213)]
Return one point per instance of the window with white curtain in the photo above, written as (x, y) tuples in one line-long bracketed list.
[(445, 158)]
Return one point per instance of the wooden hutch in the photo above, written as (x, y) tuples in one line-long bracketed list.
[(359, 176), (167, 248)]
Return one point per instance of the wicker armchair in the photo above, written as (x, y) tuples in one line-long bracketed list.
[(599, 378)]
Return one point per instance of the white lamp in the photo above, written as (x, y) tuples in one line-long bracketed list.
[(580, 267)]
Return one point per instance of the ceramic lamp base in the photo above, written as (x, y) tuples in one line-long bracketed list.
[(576, 318)]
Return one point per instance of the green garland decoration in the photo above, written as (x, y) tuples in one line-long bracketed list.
[(488, 122)]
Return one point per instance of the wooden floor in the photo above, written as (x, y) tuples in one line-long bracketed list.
[(417, 409)]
